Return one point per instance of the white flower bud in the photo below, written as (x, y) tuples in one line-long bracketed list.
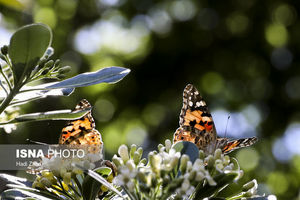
[(161, 148), (130, 186), (143, 162), (168, 145), (198, 165), (183, 163), (136, 158), (209, 160), (211, 181), (130, 164), (123, 152), (140, 151), (132, 150), (218, 154), (155, 162), (189, 166), (117, 161), (185, 185), (199, 176), (201, 154)]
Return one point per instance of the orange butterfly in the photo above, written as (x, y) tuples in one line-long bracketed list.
[(197, 126)]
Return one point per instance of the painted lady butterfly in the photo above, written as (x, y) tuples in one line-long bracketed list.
[(82, 131), (79, 133), (197, 126)]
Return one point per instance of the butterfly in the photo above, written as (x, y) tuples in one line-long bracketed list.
[(82, 131), (197, 126), (79, 134)]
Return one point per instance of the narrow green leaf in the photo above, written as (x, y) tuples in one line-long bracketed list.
[(14, 180), (222, 180), (27, 45), (90, 186), (33, 94), (100, 179), (50, 115), (105, 75), (19, 191)]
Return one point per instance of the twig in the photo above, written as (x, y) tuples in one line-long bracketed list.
[(3, 88), (6, 79)]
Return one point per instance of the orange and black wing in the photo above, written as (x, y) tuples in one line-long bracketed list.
[(195, 120), (229, 146), (81, 131)]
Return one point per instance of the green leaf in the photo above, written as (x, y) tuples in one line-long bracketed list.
[(50, 115), (222, 181), (27, 45), (6, 178), (188, 148), (91, 187), (31, 95), (12, 3), (105, 75), (100, 179), (19, 192)]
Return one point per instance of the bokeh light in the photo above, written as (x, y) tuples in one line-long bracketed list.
[(237, 23), (248, 159), (278, 182), (281, 58), (292, 87), (276, 35), (46, 15), (288, 145), (159, 21), (104, 110), (212, 82), (284, 14), (112, 36), (153, 114), (183, 10), (237, 126)]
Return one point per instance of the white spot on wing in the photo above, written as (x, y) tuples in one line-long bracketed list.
[(190, 103), (202, 103)]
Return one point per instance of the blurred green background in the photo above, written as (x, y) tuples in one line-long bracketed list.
[(241, 55)]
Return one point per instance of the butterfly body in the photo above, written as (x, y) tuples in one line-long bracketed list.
[(197, 126)]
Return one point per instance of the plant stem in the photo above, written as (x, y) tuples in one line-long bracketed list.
[(10, 66), (3, 87), (9, 98), (6, 79)]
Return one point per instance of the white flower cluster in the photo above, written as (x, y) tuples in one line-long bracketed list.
[(167, 169), (62, 168), (128, 164)]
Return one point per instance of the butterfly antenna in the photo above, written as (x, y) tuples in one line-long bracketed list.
[(35, 142), (227, 124)]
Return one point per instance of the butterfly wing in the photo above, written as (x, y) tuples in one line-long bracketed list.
[(228, 146), (82, 131), (195, 120)]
